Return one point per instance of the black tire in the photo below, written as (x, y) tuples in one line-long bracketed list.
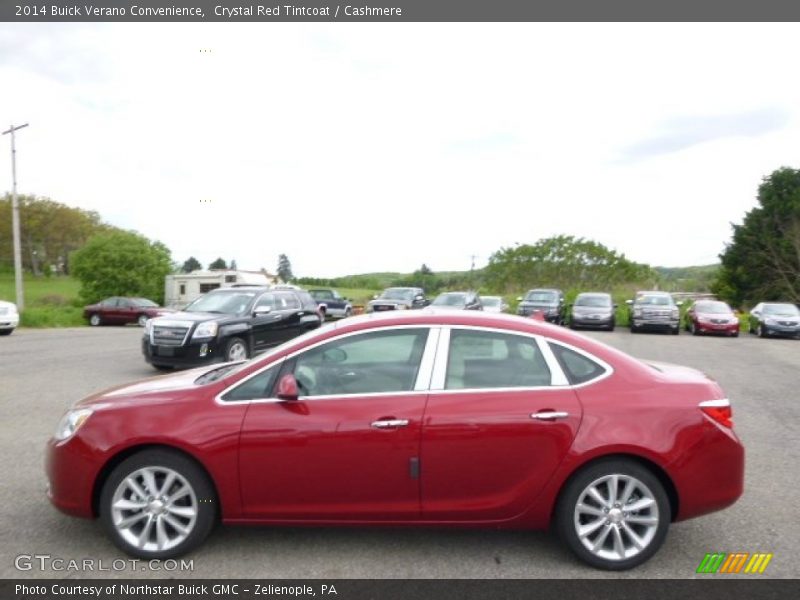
[(565, 518), (693, 329), (204, 501), (233, 347), (736, 334), (95, 320), (6, 331), (163, 367), (676, 330), (760, 331), (612, 326)]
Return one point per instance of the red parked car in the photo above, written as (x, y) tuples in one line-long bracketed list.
[(711, 316), (414, 418), (120, 311)]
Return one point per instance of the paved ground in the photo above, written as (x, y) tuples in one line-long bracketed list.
[(42, 372)]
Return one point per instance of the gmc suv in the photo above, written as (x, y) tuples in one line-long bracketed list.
[(549, 301), (654, 310), (228, 324)]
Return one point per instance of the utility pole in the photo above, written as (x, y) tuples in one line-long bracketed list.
[(15, 220)]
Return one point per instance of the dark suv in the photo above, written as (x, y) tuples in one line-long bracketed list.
[(228, 324), (549, 301), (398, 298)]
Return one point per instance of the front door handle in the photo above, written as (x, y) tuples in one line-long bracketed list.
[(549, 415), (389, 423)]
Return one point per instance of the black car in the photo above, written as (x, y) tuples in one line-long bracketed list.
[(549, 301), (775, 319), (593, 310), (228, 324), (458, 300), (331, 303), (398, 298)]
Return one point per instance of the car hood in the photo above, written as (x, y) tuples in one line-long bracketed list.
[(191, 317), (390, 301), (591, 309), (158, 388)]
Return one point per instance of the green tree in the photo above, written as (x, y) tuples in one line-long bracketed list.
[(284, 269), (563, 262), (121, 263), (762, 262), (191, 264), (218, 264), (424, 278)]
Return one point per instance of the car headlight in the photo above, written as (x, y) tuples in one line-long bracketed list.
[(769, 321), (676, 313), (71, 422), (205, 330), (637, 312)]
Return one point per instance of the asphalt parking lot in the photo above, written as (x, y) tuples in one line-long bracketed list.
[(42, 372)]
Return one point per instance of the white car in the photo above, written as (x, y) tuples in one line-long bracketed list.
[(9, 317), (494, 304)]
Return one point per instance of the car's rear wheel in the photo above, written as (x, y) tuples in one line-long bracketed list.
[(141, 321), (158, 504), (95, 320), (235, 349), (614, 514)]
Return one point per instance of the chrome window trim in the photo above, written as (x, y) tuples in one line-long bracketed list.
[(558, 378), (425, 372), (608, 370), (218, 398)]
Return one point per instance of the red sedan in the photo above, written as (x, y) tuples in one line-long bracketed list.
[(120, 311), (712, 316), (418, 418)]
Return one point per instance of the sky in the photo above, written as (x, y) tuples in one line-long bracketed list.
[(363, 147)]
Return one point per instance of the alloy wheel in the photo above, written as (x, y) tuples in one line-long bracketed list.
[(616, 517), (154, 509)]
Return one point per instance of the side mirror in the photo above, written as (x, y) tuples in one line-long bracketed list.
[(519, 298), (628, 302), (262, 310), (374, 296), (616, 305), (419, 297), (679, 303), (287, 388)]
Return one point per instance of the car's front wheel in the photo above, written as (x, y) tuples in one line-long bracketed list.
[(158, 504), (614, 514), (95, 320), (235, 349), (761, 331)]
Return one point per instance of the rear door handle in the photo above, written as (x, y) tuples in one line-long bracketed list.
[(389, 423), (549, 415)]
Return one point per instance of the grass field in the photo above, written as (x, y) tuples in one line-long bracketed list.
[(49, 301)]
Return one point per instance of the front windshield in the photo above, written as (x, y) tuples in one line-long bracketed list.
[(450, 300), (490, 301), (398, 294), (227, 303), (321, 294), (543, 297), (655, 300), (594, 301), (781, 310), (714, 308)]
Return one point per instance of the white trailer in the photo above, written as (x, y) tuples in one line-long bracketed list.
[(182, 288)]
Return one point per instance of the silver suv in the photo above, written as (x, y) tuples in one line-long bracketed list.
[(654, 310)]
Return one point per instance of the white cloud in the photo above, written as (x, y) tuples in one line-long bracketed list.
[(362, 147)]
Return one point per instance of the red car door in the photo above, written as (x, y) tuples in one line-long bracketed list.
[(496, 431), (348, 449)]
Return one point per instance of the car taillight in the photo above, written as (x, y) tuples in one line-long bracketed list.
[(719, 410)]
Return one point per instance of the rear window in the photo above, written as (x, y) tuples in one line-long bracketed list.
[(577, 367)]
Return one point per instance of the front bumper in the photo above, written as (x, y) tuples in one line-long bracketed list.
[(71, 470), (723, 328), (9, 322), (658, 324), (781, 330), (601, 322), (194, 354)]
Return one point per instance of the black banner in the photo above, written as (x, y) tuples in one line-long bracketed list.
[(713, 588), (397, 10)]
